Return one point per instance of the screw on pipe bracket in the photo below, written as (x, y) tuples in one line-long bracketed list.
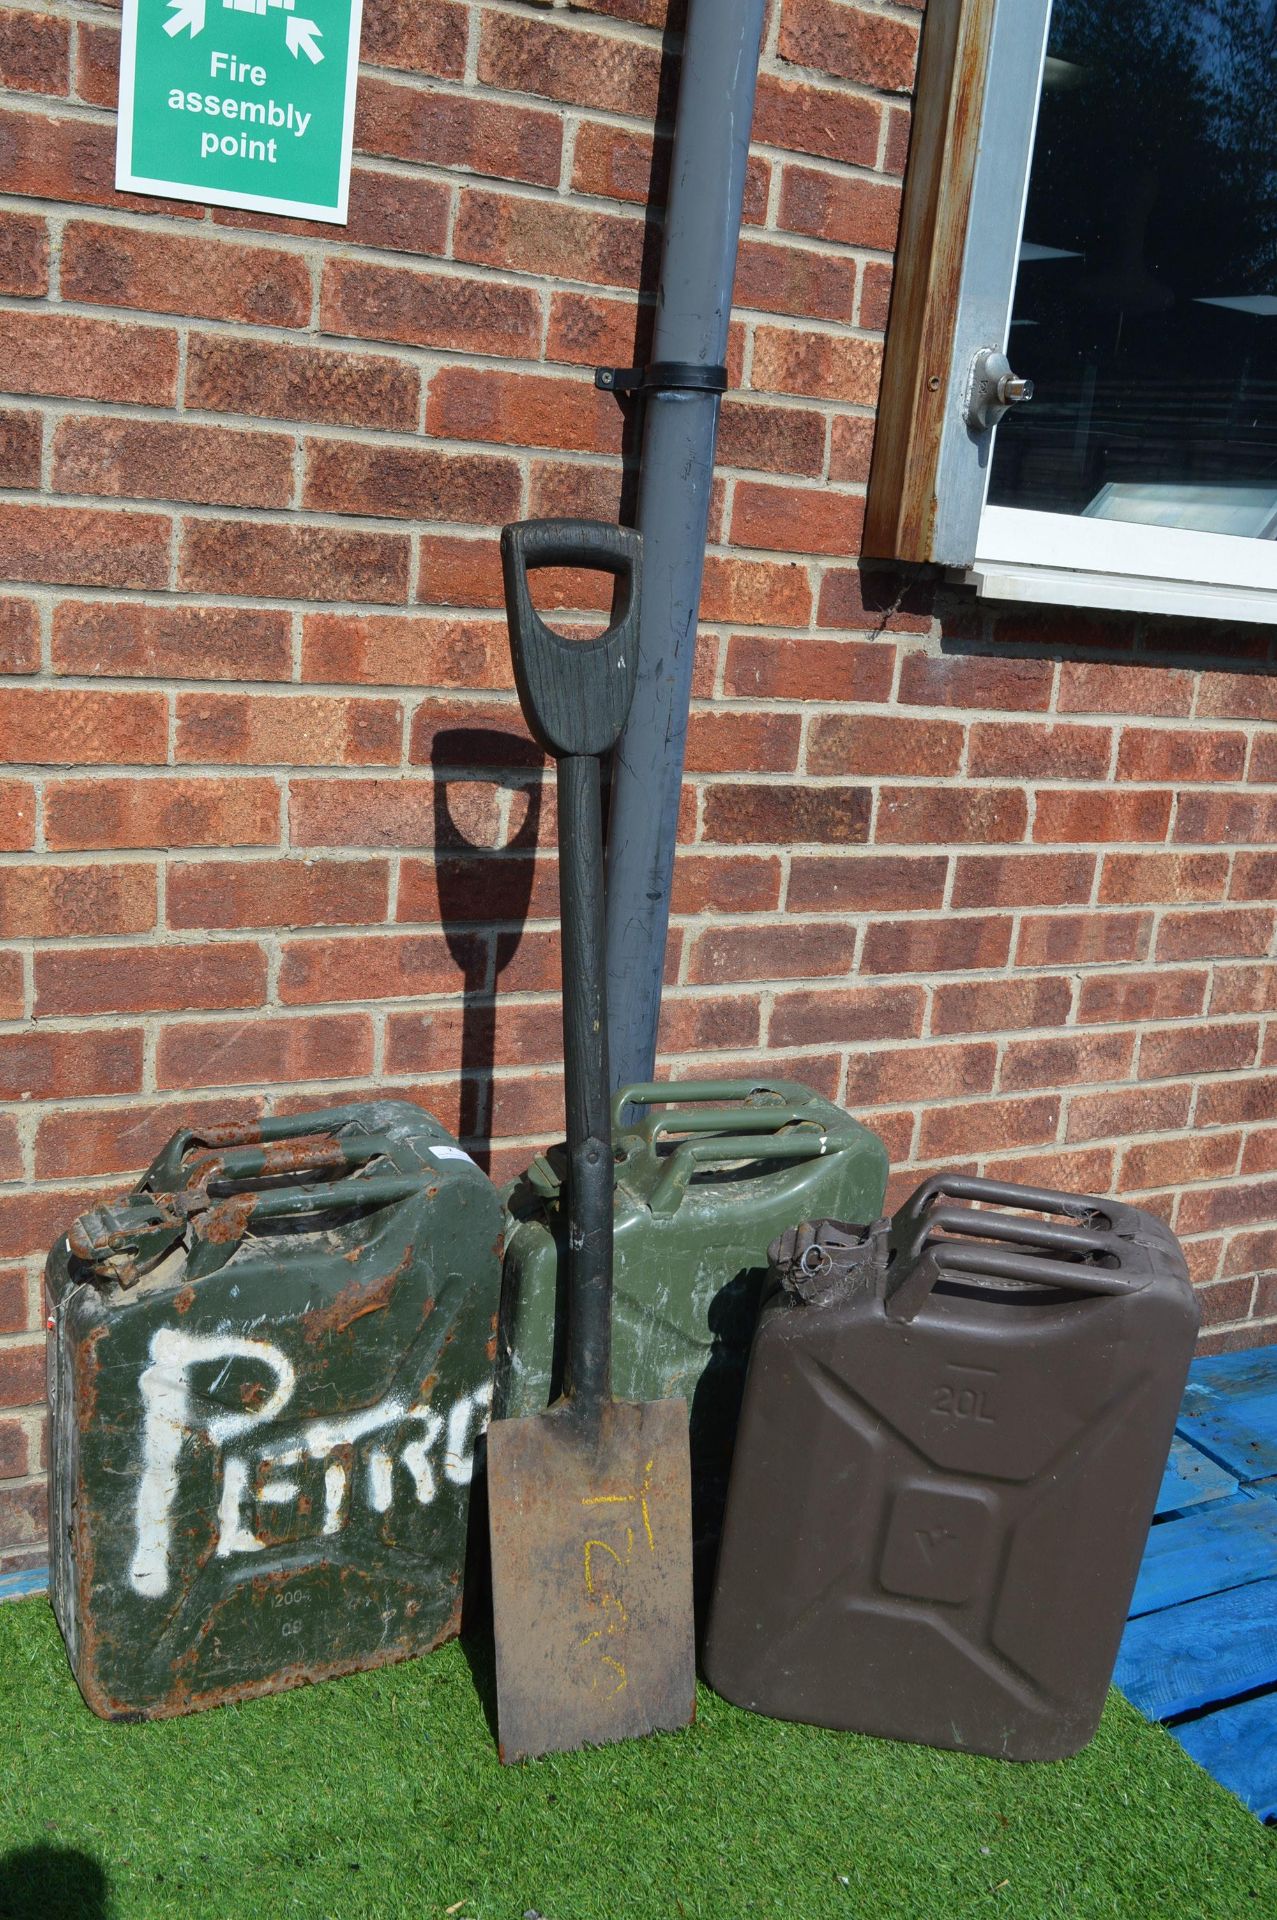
[(994, 389)]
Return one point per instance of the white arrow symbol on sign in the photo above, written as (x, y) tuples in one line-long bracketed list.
[(190, 13), (303, 34)]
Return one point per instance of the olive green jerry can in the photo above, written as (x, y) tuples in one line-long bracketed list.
[(705, 1181), (267, 1371)]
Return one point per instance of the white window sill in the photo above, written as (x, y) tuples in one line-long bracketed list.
[(1060, 560)]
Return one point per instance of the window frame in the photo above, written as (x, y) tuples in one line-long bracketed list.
[(975, 117)]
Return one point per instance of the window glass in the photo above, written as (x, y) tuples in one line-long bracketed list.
[(1145, 307)]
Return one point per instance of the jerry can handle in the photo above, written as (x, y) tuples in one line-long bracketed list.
[(169, 1166), (291, 1203), (1047, 1235), (908, 1287), (221, 1226), (1041, 1234), (575, 694), (1002, 1193), (725, 1120), (318, 1155), (657, 1093), (810, 1144), (917, 1259)]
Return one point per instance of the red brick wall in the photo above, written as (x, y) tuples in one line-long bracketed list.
[(1004, 884)]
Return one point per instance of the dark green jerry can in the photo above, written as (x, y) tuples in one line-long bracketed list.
[(267, 1370), (704, 1183)]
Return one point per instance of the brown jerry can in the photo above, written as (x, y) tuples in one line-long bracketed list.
[(954, 1428)]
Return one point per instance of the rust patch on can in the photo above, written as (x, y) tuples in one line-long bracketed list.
[(228, 1220), (318, 1153), (184, 1698), (79, 1241), (123, 1240), (353, 1302), (231, 1133), (373, 1306), (86, 1387), (321, 1151)]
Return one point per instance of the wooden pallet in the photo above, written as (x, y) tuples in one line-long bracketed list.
[(18, 1586), (1200, 1649)]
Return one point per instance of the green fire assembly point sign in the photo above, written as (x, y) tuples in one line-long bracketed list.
[(240, 103)]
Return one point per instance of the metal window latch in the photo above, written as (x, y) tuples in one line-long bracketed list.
[(994, 390)]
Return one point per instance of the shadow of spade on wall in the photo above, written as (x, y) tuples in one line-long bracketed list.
[(484, 895)]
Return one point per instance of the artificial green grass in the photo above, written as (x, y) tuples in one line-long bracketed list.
[(380, 1798)]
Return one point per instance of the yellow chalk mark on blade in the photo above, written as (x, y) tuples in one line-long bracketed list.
[(610, 1600), (646, 1509), (626, 1499), (589, 1561), (624, 1680), (596, 1635)]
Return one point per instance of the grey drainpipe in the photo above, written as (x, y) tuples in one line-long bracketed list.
[(681, 389)]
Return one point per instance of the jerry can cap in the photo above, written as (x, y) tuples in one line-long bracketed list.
[(124, 1241), (813, 1260)]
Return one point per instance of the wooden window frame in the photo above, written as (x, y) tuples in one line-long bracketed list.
[(975, 116), (965, 188)]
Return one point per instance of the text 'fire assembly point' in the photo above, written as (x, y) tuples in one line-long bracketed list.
[(240, 103)]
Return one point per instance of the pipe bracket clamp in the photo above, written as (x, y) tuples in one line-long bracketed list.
[(663, 376)]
